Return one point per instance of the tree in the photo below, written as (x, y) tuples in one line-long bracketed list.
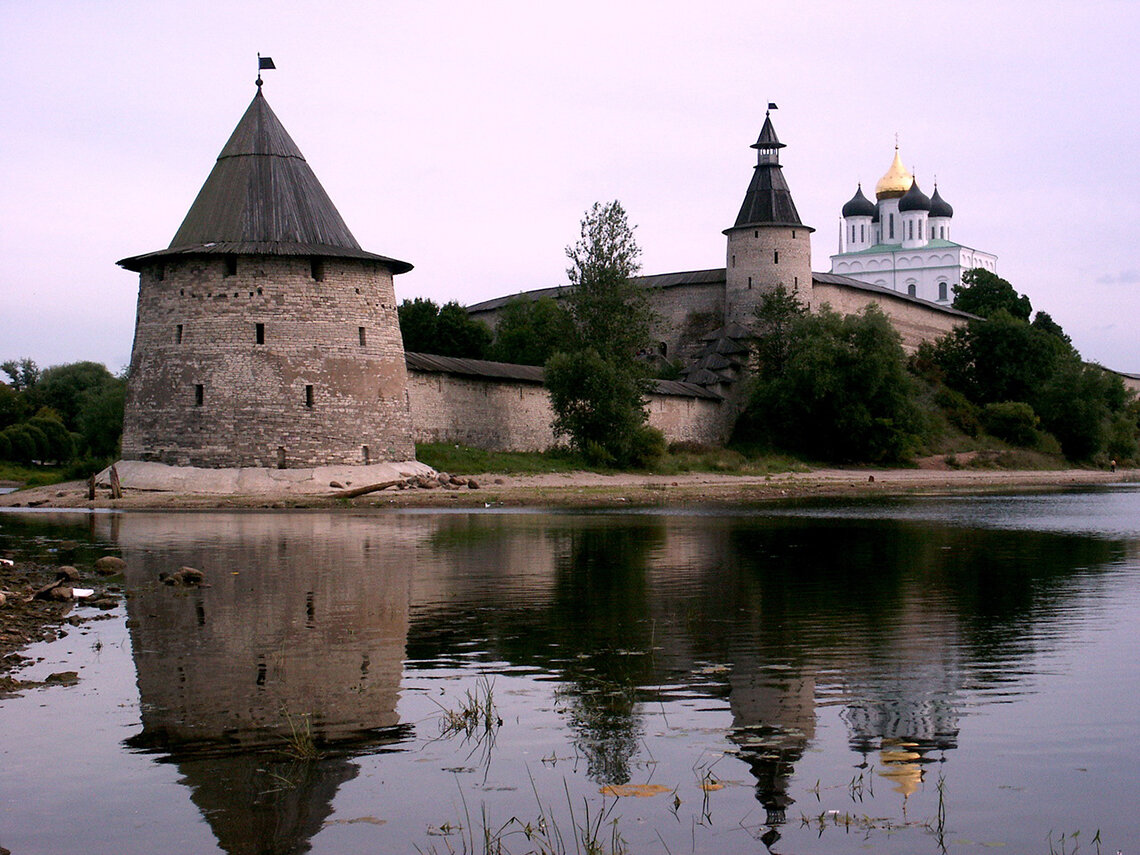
[(62, 387), (100, 419), (843, 392), (458, 334), (446, 331), (1077, 405), (529, 332), (1000, 359), (775, 318), (984, 294), (23, 373), (598, 386), (609, 312)]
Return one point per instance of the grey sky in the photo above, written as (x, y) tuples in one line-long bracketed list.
[(469, 138)]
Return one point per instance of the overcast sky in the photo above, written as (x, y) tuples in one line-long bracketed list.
[(469, 138)]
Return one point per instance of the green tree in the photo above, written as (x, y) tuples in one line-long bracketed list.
[(1044, 322), (444, 331), (843, 392), (1077, 404), (529, 332), (598, 386), (459, 334), (984, 294), (774, 320), (418, 319), (22, 373), (609, 312), (62, 387), (58, 446), (100, 419), (999, 359)]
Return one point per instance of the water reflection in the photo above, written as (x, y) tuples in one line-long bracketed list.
[(901, 625), (299, 634)]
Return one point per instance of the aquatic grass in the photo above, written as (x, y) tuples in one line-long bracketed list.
[(594, 832), (300, 744), (476, 715)]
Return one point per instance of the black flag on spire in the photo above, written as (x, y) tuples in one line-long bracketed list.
[(263, 63), (772, 106)]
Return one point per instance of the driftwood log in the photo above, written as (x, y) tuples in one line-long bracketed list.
[(371, 488)]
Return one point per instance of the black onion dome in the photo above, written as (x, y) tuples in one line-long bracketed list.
[(914, 199), (859, 206), (939, 207)]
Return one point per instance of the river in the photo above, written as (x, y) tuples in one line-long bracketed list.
[(912, 675)]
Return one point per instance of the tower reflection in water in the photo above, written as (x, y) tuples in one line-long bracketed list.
[(296, 643), (310, 618)]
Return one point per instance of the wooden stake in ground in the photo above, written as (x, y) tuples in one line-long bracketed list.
[(116, 486)]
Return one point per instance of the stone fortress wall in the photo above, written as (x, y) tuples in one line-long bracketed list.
[(267, 361), (504, 414)]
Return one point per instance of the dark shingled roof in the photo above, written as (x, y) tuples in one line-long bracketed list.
[(768, 200), (659, 280), (262, 198), (529, 373)]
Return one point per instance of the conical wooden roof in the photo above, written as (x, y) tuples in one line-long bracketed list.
[(262, 198)]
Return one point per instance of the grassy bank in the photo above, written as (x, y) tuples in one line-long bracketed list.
[(681, 457)]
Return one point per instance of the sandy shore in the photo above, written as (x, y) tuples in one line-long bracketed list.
[(588, 489)]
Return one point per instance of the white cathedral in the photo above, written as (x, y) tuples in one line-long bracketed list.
[(902, 240)]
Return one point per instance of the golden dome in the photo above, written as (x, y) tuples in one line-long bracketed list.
[(896, 182)]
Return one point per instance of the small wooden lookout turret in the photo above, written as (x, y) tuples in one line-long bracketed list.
[(265, 336)]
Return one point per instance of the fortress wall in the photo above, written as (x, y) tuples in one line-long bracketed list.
[(684, 314), (511, 415), (315, 390), (491, 413), (689, 419), (915, 322)]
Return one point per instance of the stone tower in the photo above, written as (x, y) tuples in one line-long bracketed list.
[(768, 246), (265, 336)]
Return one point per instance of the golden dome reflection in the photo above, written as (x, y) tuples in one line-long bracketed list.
[(896, 182)]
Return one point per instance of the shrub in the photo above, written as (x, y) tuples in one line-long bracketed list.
[(1013, 421)]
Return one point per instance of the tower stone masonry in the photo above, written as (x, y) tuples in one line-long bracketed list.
[(265, 336), (768, 246)]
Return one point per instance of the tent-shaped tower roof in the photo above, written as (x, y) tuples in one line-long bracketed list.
[(262, 198)]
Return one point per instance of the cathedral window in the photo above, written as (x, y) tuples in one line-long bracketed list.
[(861, 238), (910, 231), (891, 226), (259, 332), (852, 234), (911, 289), (941, 290)]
